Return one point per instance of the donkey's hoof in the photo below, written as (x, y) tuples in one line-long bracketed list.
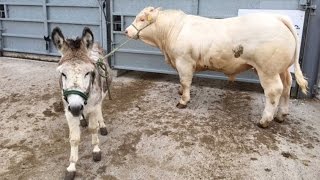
[(103, 131), (96, 156), (83, 123), (181, 106), (263, 125), (70, 175)]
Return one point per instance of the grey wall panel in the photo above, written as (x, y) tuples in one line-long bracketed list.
[(74, 14), (216, 9), (24, 44), (28, 21), (27, 2), (23, 28), (129, 7), (21, 12)]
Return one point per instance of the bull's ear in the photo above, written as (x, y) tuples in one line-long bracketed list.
[(58, 39), (151, 14), (87, 37), (158, 9)]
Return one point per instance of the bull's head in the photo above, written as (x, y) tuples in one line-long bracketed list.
[(76, 69), (139, 26)]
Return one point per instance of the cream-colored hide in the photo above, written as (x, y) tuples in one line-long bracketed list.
[(268, 43)]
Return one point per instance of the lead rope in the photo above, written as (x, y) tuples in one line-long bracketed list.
[(101, 66)]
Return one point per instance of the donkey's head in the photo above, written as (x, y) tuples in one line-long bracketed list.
[(77, 70)]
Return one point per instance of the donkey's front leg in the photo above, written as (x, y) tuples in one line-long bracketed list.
[(94, 128), (74, 135)]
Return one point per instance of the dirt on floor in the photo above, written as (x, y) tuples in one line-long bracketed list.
[(215, 137)]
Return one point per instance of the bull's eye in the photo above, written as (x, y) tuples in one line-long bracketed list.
[(142, 19), (64, 75)]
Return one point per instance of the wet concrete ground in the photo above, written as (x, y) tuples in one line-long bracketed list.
[(216, 137)]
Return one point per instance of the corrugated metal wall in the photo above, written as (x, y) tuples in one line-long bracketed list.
[(25, 23)]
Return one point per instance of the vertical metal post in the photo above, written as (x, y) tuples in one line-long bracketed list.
[(195, 7), (109, 26), (45, 24), (311, 53), (101, 22), (6, 11)]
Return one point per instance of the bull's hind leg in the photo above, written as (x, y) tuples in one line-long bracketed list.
[(285, 96), (74, 135), (94, 128), (185, 71), (273, 88)]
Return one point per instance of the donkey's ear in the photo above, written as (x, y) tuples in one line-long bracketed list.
[(87, 37), (57, 38)]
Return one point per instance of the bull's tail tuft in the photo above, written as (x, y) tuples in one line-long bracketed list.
[(301, 80)]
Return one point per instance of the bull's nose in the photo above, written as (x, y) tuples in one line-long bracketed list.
[(75, 109)]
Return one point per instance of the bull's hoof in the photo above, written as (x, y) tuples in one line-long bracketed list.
[(181, 106), (263, 125), (278, 119), (70, 175), (96, 156), (180, 93), (83, 123), (103, 131)]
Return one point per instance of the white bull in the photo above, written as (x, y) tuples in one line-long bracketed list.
[(268, 43)]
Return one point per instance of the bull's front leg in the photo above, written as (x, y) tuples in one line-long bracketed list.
[(74, 135), (185, 70)]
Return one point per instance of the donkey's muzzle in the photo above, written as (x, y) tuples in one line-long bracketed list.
[(76, 110)]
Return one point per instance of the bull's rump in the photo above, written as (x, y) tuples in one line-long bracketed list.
[(265, 39)]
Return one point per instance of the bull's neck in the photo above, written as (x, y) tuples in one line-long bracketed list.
[(164, 30)]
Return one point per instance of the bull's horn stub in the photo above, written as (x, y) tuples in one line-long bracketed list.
[(149, 18)]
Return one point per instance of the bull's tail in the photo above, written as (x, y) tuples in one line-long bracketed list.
[(301, 80)]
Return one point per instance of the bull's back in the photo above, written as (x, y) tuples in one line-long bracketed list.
[(216, 40)]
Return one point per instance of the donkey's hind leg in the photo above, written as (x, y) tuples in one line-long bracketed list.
[(102, 125), (83, 121), (93, 129)]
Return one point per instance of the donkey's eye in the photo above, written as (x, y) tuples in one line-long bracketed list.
[(87, 74), (64, 75)]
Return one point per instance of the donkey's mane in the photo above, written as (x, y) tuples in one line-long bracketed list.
[(74, 43)]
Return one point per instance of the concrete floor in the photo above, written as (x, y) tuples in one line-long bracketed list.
[(216, 137)]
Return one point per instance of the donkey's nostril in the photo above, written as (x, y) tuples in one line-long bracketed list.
[(75, 109)]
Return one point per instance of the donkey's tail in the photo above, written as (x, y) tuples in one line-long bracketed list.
[(301, 80)]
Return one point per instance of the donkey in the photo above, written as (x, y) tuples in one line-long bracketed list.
[(82, 88)]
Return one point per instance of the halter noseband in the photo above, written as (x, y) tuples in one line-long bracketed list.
[(85, 95), (139, 30)]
